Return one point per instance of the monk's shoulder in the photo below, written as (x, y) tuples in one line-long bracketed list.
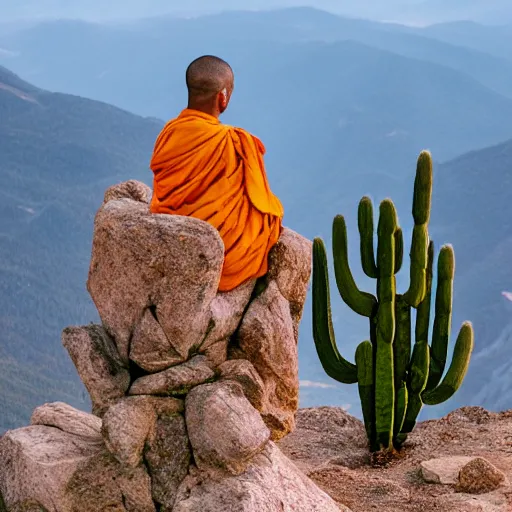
[(246, 137), (170, 126)]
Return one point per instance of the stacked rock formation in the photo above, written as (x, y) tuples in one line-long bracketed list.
[(190, 387)]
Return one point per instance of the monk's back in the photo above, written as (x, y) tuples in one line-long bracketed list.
[(192, 166), (215, 173)]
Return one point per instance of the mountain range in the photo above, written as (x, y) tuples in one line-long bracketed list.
[(472, 208), (58, 153), (491, 11), (343, 106), (381, 92)]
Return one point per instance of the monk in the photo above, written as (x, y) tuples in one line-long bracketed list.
[(214, 172)]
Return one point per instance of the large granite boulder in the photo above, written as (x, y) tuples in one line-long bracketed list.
[(163, 266), (126, 427), (66, 418), (244, 373), (225, 430), (271, 483), (290, 268), (47, 469), (268, 333), (227, 309), (168, 456), (63, 466), (266, 339), (188, 385), (177, 380), (98, 364), (154, 281)]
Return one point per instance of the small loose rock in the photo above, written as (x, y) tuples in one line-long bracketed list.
[(444, 471), (479, 477)]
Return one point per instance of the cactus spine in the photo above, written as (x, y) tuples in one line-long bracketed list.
[(395, 378)]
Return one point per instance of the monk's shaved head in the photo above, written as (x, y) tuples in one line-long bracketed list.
[(206, 77)]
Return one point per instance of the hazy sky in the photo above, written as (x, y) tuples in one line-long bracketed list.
[(137, 8), (379, 9), (408, 11)]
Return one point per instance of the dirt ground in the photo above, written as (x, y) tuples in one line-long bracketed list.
[(330, 446)]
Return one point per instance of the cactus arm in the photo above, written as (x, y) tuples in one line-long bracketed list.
[(419, 246), (399, 250), (414, 406), (323, 333), (443, 316), (418, 375), (365, 379), (386, 289), (423, 311), (422, 199), (401, 408), (458, 368), (421, 214), (402, 341), (365, 224), (420, 363), (361, 302)]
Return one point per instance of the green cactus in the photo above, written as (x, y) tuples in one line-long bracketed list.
[(395, 379)]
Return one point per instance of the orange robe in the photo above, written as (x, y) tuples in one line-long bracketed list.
[(215, 173)]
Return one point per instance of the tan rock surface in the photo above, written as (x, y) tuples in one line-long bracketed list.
[(226, 313), (99, 366), (164, 406), (46, 469), (150, 349), (167, 455), (101, 484), (266, 338), (126, 427), (290, 267), (176, 380), (37, 464), (272, 483), (224, 429), (166, 262), (216, 354), (479, 476), (459, 502), (130, 189), (444, 471), (243, 372), (26, 506), (68, 419)]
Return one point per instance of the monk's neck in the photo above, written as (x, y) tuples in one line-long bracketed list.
[(205, 110)]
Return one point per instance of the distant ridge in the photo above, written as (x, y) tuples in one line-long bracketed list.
[(57, 154)]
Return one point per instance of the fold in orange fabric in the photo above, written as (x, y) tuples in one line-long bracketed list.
[(215, 173)]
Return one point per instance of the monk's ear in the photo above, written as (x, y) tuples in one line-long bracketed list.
[(223, 100)]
